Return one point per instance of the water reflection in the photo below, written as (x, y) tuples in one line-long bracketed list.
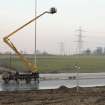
[(12, 86), (51, 84), (85, 80)]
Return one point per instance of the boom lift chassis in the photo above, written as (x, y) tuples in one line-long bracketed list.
[(33, 73)]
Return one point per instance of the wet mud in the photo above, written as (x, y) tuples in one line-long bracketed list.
[(60, 96)]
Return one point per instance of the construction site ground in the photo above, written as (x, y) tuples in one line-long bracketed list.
[(60, 96)]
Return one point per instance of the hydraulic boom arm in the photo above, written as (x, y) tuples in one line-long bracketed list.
[(32, 67)]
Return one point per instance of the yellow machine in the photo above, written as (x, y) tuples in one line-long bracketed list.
[(32, 67)]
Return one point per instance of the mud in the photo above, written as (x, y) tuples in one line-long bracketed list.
[(61, 96)]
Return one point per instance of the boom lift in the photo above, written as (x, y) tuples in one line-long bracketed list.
[(33, 72)]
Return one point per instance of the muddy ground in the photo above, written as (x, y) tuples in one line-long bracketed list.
[(61, 96)]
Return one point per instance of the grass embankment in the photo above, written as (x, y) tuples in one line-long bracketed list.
[(56, 64)]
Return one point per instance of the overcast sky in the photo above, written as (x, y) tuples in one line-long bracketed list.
[(53, 29)]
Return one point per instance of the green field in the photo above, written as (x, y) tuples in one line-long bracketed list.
[(55, 64)]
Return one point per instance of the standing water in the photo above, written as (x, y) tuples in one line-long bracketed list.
[(52, 81)]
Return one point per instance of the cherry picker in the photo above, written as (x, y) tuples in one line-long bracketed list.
[(33, 73)]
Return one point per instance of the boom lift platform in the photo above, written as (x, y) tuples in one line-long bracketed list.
[(33, 73)]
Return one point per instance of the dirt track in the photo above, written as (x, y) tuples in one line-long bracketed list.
[(61, 96)]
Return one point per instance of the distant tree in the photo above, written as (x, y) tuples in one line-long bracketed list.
[(87, 52), (98, 51), (45, 53), (104, 51), (38, 52)]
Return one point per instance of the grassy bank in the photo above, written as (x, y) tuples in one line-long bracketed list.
[(56, 64)]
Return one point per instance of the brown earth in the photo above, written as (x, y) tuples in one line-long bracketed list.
[(61, 96)]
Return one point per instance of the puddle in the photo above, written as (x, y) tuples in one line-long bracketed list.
[(55, 83)]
